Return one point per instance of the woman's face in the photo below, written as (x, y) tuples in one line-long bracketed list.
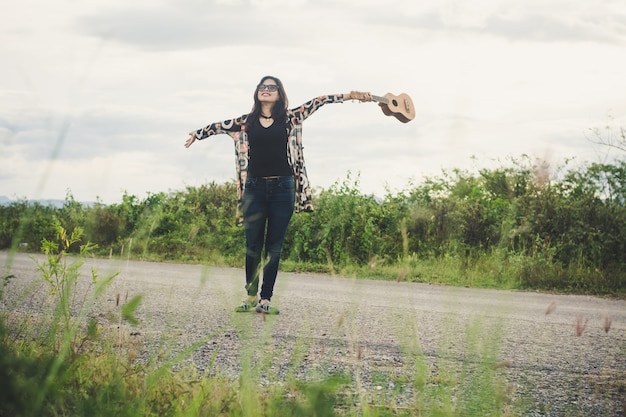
[(267, 91)]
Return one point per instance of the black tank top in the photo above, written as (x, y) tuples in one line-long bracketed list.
[(268, 150)]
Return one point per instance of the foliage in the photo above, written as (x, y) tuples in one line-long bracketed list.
[(79, 369), (536, 226), (40, 370), (104, 377)]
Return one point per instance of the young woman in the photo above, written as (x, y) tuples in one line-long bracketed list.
[(271, 178)]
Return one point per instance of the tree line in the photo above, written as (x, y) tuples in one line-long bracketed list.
[(536, 227)]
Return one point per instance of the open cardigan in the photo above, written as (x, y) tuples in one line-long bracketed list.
[(235, 128)]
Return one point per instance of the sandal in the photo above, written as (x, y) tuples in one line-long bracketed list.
[(246, 305), (265, 307)]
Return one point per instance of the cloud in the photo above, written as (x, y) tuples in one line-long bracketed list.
[(534, 21), (171, 27), (551, 28), (104, 93)]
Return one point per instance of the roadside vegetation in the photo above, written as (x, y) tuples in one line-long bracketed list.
[(521, 226), (60, 357)]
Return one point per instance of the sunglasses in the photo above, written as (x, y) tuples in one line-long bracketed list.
[(268, 87)]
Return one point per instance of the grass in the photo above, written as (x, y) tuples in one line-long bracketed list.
[(70, 363), (484, 273), (497, 270)]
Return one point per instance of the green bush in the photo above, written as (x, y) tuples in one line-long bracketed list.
[(569, 228)]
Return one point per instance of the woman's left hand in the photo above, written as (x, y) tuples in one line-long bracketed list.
[(361, 96)]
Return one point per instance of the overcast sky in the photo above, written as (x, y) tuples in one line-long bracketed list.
[(97, 97)]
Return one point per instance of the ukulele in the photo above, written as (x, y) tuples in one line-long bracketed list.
[(401, 106)]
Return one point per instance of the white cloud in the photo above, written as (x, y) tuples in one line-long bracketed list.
[(127, 82)]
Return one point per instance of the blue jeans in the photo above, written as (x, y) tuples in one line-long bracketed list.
[(268, 205)]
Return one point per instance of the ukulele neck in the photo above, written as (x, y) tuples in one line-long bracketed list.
[(379, 99)]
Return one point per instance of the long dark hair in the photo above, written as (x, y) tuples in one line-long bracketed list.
[(280, 107)]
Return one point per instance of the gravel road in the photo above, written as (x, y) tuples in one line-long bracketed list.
[(561, 355)]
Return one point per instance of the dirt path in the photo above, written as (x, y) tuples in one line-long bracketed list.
[(565, 363)]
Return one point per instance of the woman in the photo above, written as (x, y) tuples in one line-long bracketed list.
[(271, 178)]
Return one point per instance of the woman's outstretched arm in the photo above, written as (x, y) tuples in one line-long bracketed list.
[(230, 125), (305, 110)]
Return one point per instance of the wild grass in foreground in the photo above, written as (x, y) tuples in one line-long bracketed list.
[(72, 363), (102, 382)]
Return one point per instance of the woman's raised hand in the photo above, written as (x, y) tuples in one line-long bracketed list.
[(361, 96), (191, 139)]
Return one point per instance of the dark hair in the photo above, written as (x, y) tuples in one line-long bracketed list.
[(280, 107)]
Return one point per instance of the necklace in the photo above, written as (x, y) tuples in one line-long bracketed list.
[(265, 117)]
